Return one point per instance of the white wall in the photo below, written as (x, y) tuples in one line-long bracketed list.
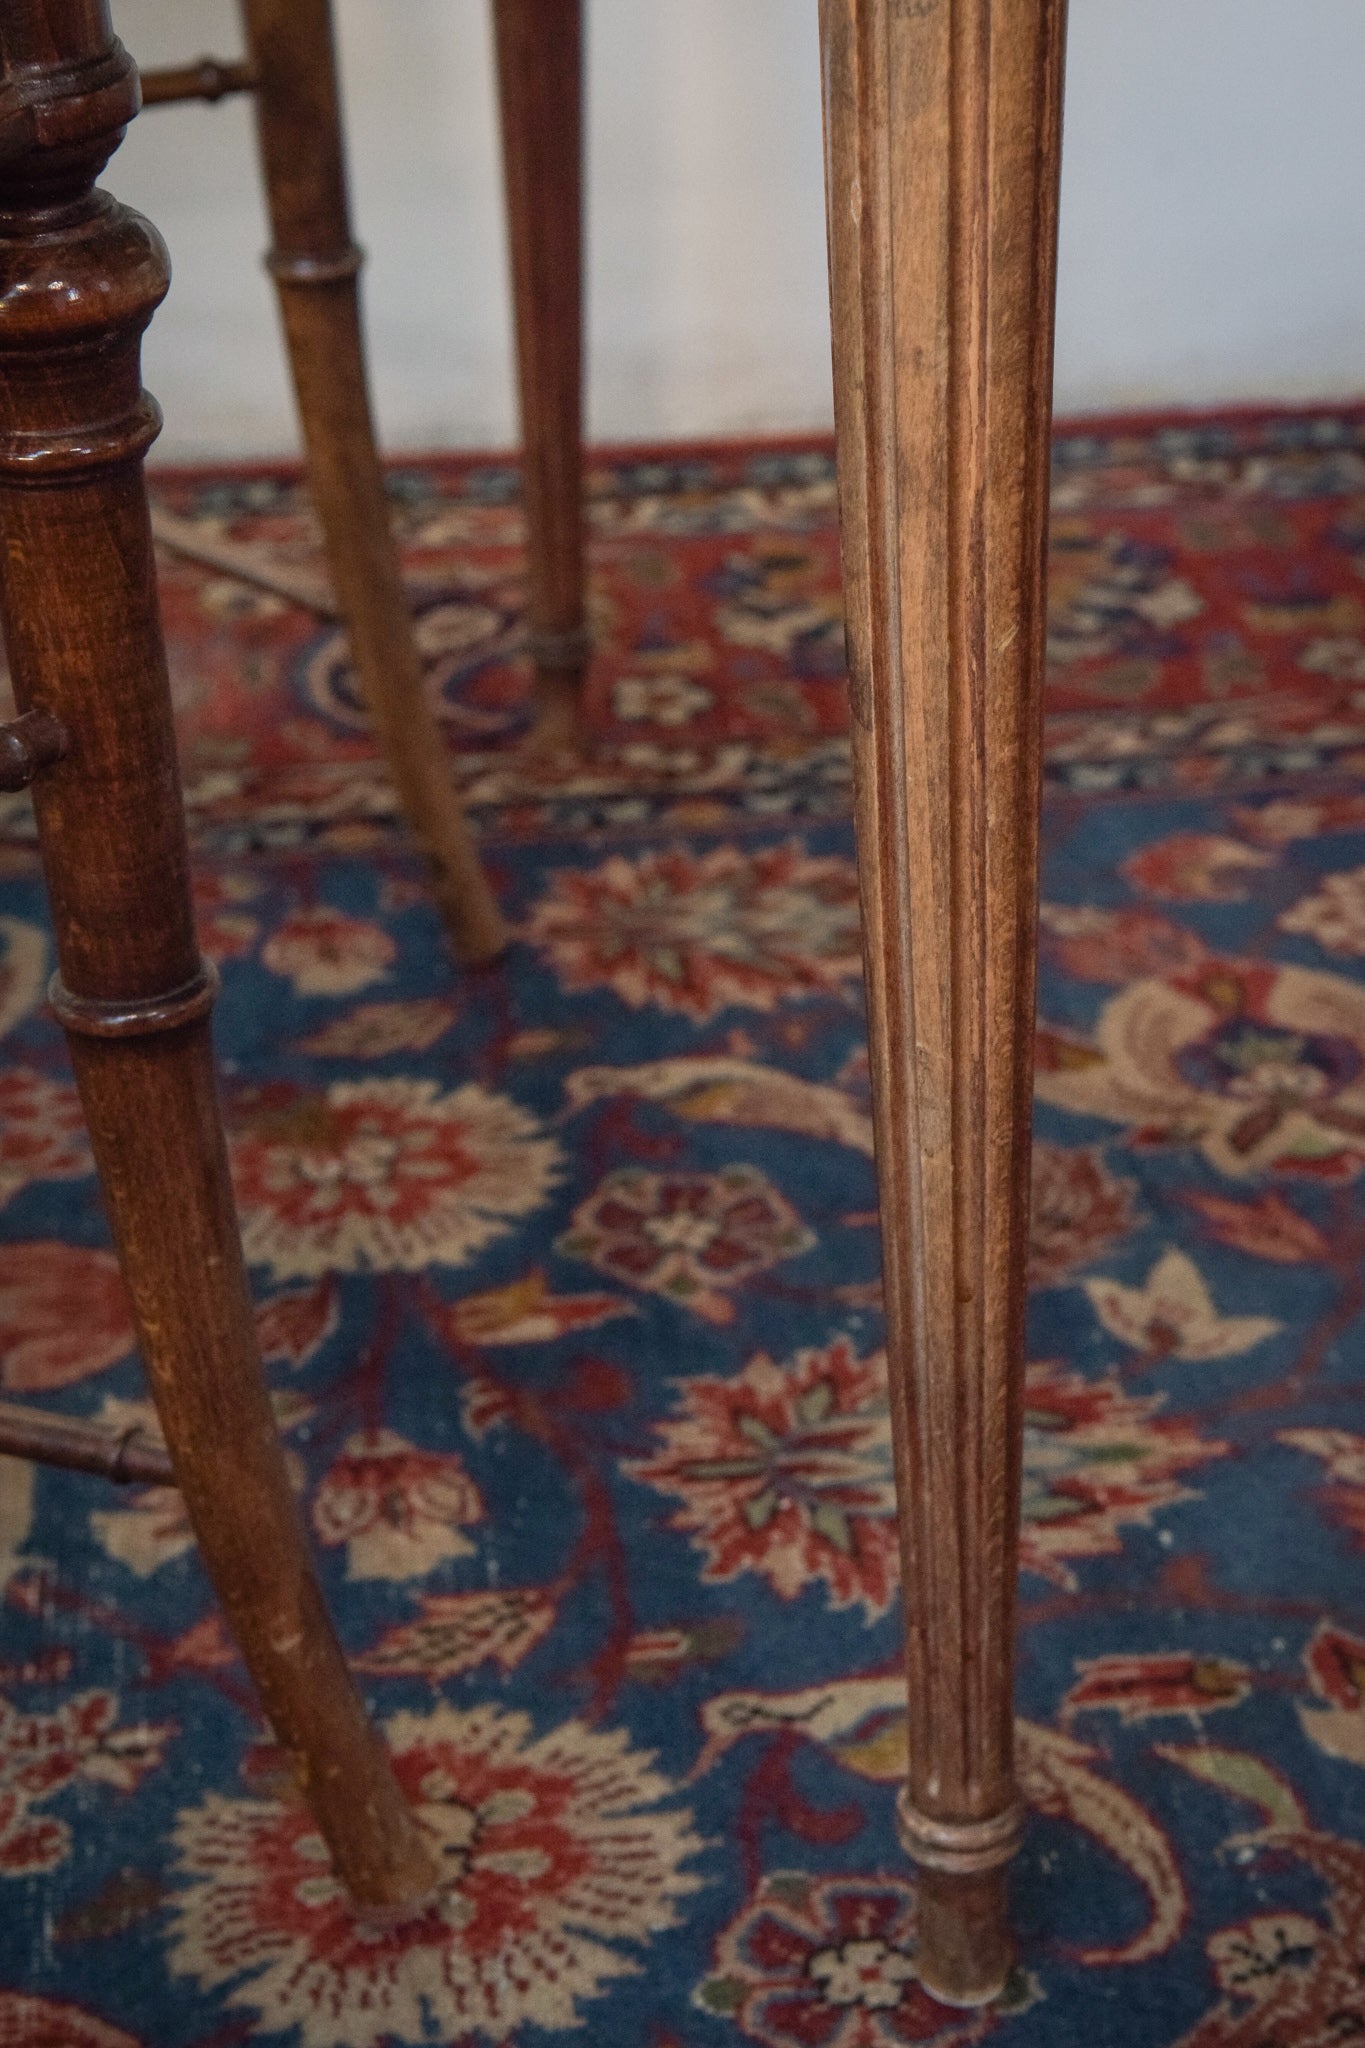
[(1213, 216)]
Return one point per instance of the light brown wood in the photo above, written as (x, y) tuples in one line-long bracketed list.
[(187, 538), (80, 277), (942, 150), (208, 78), (540, 84), (315, 265)]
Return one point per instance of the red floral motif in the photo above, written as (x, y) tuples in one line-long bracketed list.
[(1335, 1662), (377, 1174), (42, 1754), (1080, 1210), (63, 1315), (1285, 819), (1194, 867), (375, 1031), (1288, 1977), (558, 1862), (1164, 1682), (786, 1470), (42, 1132), (1344, 1456), (1115, 945), (292, 1326), (49, 2023), (324, 952), (455, 1632), (1336, 1667), (226, 930), (692, 1237), (831, 1964), (526, 1312), (398, 1510), (695, 933), (1267, 1227), (1096, 1460)]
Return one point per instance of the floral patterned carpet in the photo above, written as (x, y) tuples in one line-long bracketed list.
[(568, 1286)]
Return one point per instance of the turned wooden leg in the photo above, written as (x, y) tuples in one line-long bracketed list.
[(316, 265), (942, 146), (79, 278), (540, 83)]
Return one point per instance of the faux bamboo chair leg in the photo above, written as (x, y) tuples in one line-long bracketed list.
[(79, 278), (540, 82), (315, 265), (942, 147)]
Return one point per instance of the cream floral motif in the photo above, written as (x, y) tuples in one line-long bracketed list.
[(660, 700), (42, 1754), (382, 1174), (399, 1511), (1334, 914), (1261, 1067), (1172, 1314), (327, 953), (559, 1863)]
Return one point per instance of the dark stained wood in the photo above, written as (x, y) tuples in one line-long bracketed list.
[(130, 1457), (208, 78), (540, 83), (942, 148), (27, 746), (80, 277), (315, 265)]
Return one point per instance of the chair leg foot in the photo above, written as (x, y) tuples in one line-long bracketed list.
[(966, 1947), (558, 733)]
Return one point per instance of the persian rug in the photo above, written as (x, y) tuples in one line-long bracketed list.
[(568, 1287)]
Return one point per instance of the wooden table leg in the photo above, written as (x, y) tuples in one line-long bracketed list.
[(80, 277), (540, 84), (942, 151), (316, 267)]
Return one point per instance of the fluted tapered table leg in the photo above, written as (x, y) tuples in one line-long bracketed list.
[(942, 152)]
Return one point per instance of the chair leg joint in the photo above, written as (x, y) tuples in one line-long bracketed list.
[(140, 1017), (340, 268), (960, 1848), (28, 745)]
